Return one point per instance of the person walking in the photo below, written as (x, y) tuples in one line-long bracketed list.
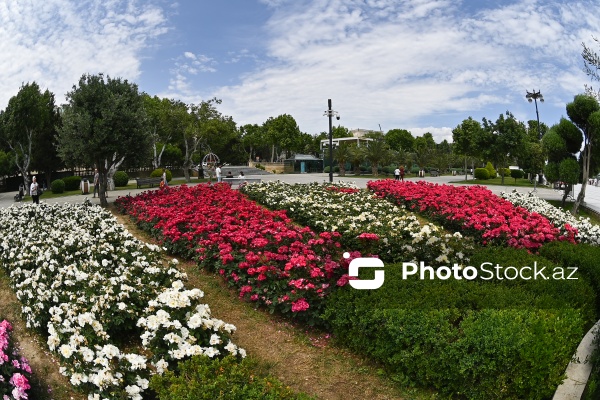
[(397, 174), (402, 173), (164, 178), (34, 190), (218, 172), (96, 182)]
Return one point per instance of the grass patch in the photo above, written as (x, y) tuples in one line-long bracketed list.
[(582, 211), (131, 186), (508, 181)]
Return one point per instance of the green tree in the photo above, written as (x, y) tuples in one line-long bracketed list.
[(584, 112), (400, 139), (424, 150), (376, 152), (508, 136), (283, 135), (342, 155), (255, 141), (466, 138), (104, 123), (164, 123), (561, 143), (591, 62), (28, 123), (357, 156)]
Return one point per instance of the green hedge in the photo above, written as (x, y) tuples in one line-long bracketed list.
[(584, 257), (482, 173), (72, 183), (469, 339), (57, 186), (121, 179), (157, 173), (211, 379)]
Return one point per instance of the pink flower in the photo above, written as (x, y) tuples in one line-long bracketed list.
[(300, 305)]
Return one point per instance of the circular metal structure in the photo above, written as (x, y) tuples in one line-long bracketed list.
[(209, 164)]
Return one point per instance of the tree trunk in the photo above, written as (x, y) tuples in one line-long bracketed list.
[(102, 189), (111, 169), (374, 169), (587, 155)]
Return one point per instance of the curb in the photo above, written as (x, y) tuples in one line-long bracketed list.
[(579, 369)]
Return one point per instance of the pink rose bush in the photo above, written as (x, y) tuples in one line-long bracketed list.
[(269, 259), (475, 211), (14, 370)]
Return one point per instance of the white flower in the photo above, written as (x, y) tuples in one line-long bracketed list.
[(66, 350)]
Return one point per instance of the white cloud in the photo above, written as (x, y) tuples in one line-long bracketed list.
[(55, 42), (408, 63)]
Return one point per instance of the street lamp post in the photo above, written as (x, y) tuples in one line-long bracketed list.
[(330, 114), (535, 96)]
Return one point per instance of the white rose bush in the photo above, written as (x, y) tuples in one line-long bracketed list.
[(112, 312), (586, 231), (367, 222)]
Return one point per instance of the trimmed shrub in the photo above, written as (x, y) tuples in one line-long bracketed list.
[(584, 257), (326, 169), (468, 338), (203, 378), (72, 183), (506, 172), (517, 174), (57, 186), (482, 174), (157, 173), (491, 170), (121, 179)]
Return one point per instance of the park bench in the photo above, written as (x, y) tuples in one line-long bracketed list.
[(147, 181), (239, 181), (434, 172)]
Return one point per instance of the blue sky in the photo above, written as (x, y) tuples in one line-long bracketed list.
[(421, 65)]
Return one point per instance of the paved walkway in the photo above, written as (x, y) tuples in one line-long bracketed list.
[(592, 197)]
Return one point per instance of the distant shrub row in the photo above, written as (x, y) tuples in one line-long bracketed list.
[(71, 183)]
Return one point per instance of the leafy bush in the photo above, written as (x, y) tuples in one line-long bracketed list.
[(517, 174), (468, 338), (326, 169), (491, 170), (57, 186), (259, 166), (204, 378), (121, 178), (157, 173), (506, 171), (582, 256), (482, 174), (72, 182)]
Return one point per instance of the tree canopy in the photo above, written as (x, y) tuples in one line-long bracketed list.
[(104, 122)]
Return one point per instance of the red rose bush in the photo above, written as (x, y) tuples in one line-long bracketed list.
[(270, 260), (475, 211)]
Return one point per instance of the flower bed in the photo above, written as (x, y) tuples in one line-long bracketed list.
[(565, 221), (367, 223), (270, 260), (94, 291), (475, 211), (14, 370)]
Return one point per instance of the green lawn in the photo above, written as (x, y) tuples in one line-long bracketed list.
[(49, 195), (508, 181)]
